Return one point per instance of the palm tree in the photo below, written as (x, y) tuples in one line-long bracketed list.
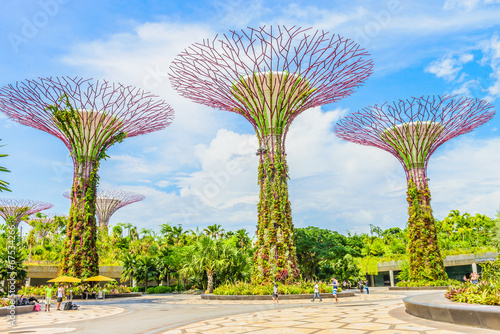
[(145, 268), (129, 264), (210, 256), (214, 231)]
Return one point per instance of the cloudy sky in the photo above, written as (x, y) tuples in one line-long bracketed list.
[(202, 169)]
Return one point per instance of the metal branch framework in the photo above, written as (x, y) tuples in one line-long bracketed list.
[(269, 76), (88, 117), (46, 220), (412, 130), (108, 201), (19, 208)]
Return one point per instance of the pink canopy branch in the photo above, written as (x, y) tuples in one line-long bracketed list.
[(304, 68), (414, 128), (19, 208), (108, 201), (138, 112)]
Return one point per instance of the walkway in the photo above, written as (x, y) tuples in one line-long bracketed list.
[(379, 312)]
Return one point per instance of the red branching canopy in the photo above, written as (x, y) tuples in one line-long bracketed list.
[(18, 208), (414, 128), (304, 68), (108, 201), (138, 112)]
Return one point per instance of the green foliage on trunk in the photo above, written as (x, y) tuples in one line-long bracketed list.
[(425, 260), (275, 256)]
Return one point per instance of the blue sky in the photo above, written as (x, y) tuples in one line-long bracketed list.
[(418, 48)]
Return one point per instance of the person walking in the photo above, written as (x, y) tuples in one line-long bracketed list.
[(275, 293), (60, 295), (48, 297), (316, 292), (335, 286)]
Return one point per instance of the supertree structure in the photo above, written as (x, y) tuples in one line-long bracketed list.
[(412, 130), (89, 117), (20, 208), (108, 201), (44, 221), (270, 76)]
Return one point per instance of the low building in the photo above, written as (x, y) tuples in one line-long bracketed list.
[(457, 266)]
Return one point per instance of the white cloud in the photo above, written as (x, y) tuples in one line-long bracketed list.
[(449, 66)]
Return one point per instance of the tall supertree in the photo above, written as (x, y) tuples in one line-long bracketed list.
[(270, 76), (88, 117), (108, 201), (20, 208), (412, 130)]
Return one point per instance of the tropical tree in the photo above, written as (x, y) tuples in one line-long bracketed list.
[(214, 231), (315, 245), (208, 256), (129, 267)]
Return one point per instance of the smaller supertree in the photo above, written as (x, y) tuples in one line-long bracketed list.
[(43, 222), (412, 130), (108, 201), (20, 208)]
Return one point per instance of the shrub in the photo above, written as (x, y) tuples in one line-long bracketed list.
[(162, 289), (242, 288), (137, 289), (151, 290), (424, 283)]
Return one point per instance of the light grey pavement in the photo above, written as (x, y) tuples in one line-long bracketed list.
[(380, 312)]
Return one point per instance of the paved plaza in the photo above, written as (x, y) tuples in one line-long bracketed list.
[(379, 312)]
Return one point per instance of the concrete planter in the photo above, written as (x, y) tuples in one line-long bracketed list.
[(4, 311), (269, 297), (437, 307)]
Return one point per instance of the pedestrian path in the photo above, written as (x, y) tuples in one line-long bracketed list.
[(54, 317), (362, 314)]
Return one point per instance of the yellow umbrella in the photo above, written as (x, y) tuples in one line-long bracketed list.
[(65, 279), (98, 278)]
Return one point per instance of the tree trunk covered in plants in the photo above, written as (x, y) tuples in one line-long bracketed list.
[(426, 262), (275, 256), (80, 256)]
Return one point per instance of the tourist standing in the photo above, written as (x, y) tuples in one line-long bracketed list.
[(275, 293), (360, 286), (48, 297), (335, 286), (316, 292), (366, 287), (474, 278), (344, 284), (60, 295)]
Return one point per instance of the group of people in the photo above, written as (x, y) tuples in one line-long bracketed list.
[(335, 285), (474, 278), (48, 297)]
